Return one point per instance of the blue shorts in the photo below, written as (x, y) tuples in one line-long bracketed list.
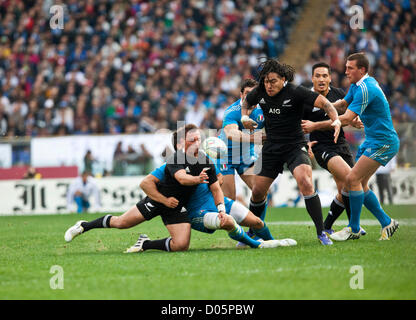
[(380, 152), (197, 216), (230, 168)]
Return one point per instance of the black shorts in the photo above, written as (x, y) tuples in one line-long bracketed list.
[(150, 209), (323, 153), (274, 156)]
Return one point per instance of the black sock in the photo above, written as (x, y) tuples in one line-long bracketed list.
[(346, 200), (335, 211), (103, 222), (257, 207), (162, 244), (313, 206)]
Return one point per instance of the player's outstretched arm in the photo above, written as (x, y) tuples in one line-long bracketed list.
[(189, 180), (341, 105), (326, 105), (348, 118), (218, 196), (233, 133), (149, 186)]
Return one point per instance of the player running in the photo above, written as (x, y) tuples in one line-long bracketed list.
[(336, 158), (366, 99), (283, 104), (241, 155)]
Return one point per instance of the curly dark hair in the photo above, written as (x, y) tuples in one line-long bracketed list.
[(273, 65)]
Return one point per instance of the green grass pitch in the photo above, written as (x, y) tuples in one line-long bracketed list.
[(95, 267)]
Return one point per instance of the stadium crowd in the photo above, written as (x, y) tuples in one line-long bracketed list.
[(127, 67), (138, 66)]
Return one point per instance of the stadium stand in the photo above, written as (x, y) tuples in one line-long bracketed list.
[(127, 67), (138, 66)]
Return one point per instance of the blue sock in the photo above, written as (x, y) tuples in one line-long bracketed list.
[(78, 201), (263, 213), (356, 203), (239, 234), (371, 203), (264, 233)]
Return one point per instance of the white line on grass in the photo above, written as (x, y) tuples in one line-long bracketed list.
[(364, 222)]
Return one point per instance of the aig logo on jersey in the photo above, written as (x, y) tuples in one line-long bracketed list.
[(274, 110)]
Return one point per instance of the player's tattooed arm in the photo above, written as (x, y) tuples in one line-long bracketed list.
[(341, 105), (348, 118), (326, 105)]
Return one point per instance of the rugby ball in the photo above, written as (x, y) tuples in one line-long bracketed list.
[(214, 147)]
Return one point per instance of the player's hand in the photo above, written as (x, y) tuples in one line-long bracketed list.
[(203, 176), (357, 123), (222, 216), (248, 123), (310, 152), (307, 126), (337, 128), (171, 202)]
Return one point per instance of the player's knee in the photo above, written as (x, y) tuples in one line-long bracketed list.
[(258, 194), (351, 180), (118, 222), (305, 186), (229, 223), (179, 245)]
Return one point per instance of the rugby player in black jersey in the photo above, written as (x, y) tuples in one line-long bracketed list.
[(185, 169), (333, 157), (282, 104)]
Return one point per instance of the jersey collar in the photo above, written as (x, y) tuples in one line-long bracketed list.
[(359, 82)]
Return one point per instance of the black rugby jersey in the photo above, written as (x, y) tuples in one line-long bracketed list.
[(283, 112), (315, 114), (170, 187)]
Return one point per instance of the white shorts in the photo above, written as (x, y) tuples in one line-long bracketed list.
[(238, 212)]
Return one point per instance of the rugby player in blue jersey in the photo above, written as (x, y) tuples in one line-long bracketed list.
[(366, 99), (241, 155), (204, 216)]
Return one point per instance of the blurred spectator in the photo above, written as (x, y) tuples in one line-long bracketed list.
[(80, 190), (31, 173), (383, 179), (118, 163), (88, 161)]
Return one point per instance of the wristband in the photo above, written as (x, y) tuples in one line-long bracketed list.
[(245, 118), (221, 207), (336, 123)]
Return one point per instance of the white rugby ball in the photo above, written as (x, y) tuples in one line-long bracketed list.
[(214, 147)]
